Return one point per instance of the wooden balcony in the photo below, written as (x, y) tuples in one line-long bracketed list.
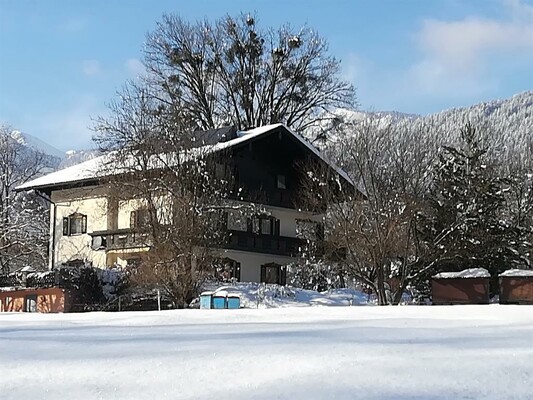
[(120, 239), (278, 245)]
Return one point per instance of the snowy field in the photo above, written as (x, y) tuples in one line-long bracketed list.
[(410, 352)]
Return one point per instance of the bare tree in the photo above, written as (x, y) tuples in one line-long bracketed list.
[(178, 200), (201, 76), (376, 231), (23, 217), (233, 72)]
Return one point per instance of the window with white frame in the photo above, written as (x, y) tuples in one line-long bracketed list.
[(74, 224)]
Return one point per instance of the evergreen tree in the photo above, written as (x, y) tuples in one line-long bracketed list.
[(464, 223)]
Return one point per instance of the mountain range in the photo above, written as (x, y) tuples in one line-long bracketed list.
[(508, 121)]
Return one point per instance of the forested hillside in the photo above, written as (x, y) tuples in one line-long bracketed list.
[(447, 191)]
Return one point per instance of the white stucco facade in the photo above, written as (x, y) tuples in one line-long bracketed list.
[(91, 202), (103, 215)]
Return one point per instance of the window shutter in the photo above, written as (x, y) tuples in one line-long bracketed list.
[(84, 224), (320, 231), (65, 226), (226, 222), (263, 273), (237, 272), (283, 275), (133, 219), (256, 225)]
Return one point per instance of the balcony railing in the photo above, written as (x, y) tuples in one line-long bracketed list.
[(279, 245), (119, 239)]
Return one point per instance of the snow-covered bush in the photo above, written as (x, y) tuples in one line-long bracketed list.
[(319, 276)]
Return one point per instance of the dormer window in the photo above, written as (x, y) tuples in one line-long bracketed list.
[(280, 182), (75, 224)]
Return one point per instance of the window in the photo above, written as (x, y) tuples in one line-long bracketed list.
[(280, 182), (227, 270), (273, 273), (237, 221), (139, 218), (265, 225), (74, 224)]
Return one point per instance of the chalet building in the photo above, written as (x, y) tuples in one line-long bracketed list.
[(87, 226)]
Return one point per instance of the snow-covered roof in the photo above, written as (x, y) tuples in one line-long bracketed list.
[(84, 171), (466, 273), (99, 167), (518, 273)]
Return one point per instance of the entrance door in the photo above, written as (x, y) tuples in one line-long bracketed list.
[(30, 303)]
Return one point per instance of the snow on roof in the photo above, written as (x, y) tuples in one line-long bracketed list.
[(466, 273), (518, 272), (99, 167), (87, 170)]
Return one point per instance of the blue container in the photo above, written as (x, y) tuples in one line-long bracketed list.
[(219, 302), (234, 302), (206, 300)]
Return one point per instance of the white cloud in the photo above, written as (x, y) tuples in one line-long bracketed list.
[(134, 67), (464, 45), (91, 67), (460, 59), (457, 56)]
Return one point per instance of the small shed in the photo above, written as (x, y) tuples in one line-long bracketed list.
[(206, 300), (233, 301), (516, 286), (470, 286), (51, 300)]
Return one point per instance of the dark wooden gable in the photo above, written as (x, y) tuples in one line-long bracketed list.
[(269, 168)]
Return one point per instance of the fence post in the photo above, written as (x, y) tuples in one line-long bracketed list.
[(158, 300), (119, 298)]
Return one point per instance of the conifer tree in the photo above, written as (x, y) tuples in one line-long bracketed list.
[(464, 224)]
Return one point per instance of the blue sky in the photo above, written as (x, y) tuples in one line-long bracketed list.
[(62, 61)]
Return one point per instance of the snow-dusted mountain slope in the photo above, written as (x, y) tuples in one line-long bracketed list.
[(36, 144), (506, 126), (73, 157)]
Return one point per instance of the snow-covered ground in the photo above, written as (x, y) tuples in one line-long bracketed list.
[(366, 352), (257, 295)]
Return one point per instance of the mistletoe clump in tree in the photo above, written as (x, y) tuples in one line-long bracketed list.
[(233, 72)]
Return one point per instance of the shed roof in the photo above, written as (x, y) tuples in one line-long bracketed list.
[(518, 273), (466, 273)]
